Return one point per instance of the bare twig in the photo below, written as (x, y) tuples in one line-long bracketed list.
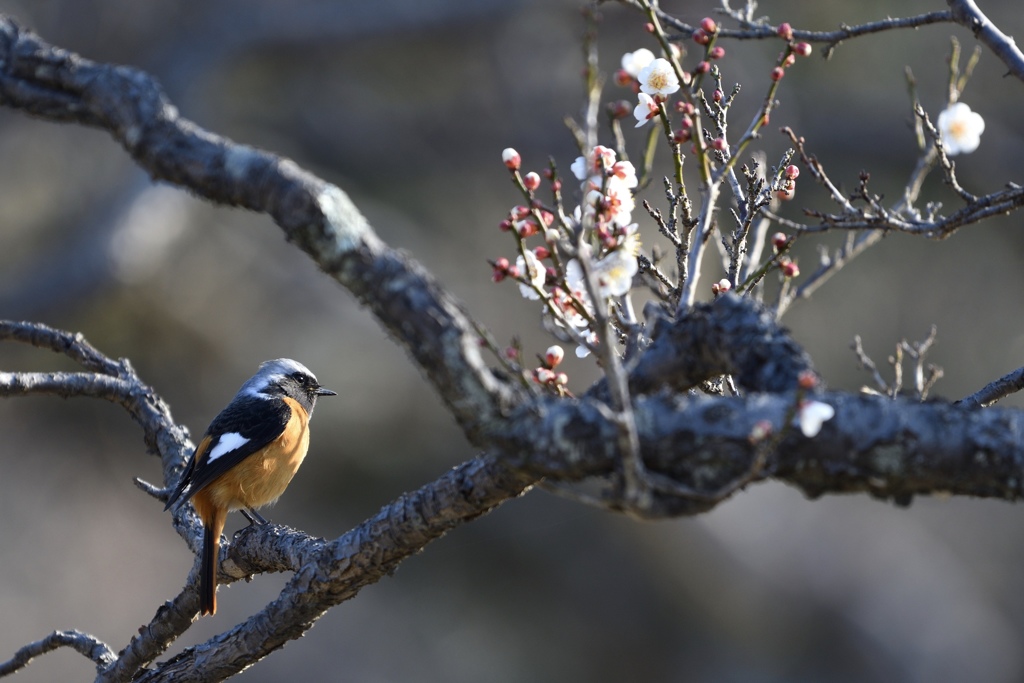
[(83, 643), (993, 391)]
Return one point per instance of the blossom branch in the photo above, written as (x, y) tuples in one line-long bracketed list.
[(963, 12), (760, 31)]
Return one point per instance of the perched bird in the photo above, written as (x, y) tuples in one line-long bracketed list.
[(247, 457)]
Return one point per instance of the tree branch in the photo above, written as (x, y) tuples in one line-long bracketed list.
[(83, 643)]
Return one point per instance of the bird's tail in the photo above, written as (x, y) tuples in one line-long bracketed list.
[(208, 570)]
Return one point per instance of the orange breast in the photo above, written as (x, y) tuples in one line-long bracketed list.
[(261, 478)]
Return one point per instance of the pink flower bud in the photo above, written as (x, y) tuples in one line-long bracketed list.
[(505, 225), (511, 158), (717, 95), (620, 109), (680, 136), (684, 107), (718, 143), (623, 78), (778, 73), (511, 352), (526, 228), (779, 240), (790, 269), (556, 185), (790, 60), (553, 356), (785, 31), (802, 49), (543, 375), (541, 252), (649, 27), (701, 37), (807, 379), (532, 181), (792, 172), (717, 52), (702, 68), (786, 192), (709, 25)]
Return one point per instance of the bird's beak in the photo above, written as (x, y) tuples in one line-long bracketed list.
[(325, 392)]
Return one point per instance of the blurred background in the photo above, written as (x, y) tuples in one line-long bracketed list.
[(407, 105)]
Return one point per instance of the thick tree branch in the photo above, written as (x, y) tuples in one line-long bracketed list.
[(337, 570)]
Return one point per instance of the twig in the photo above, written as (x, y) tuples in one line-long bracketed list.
[(83, 643), (993, 391)]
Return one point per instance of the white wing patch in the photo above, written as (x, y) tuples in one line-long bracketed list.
[(227, 442)]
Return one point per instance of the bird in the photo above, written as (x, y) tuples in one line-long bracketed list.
[(247, 457)]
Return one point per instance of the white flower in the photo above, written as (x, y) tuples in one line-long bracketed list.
[(626, 172), (812, 415), (600, 158), (629, 240), (646, 110), (565, 304), (614, 274), (961, 129), (616, 206), (619, 200), (658, 78), (533, 270), (582, 351), (634, 62)]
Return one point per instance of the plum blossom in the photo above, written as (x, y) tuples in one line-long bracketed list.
[(634, 62), (614, 274), (658, 78), (599, 159), (582, 351), (645, 110), (960, 128), (626, 172), (534, 272), (812, 415), (565, 304)]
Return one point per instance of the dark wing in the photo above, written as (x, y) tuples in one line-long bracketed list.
[(247, 425)]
